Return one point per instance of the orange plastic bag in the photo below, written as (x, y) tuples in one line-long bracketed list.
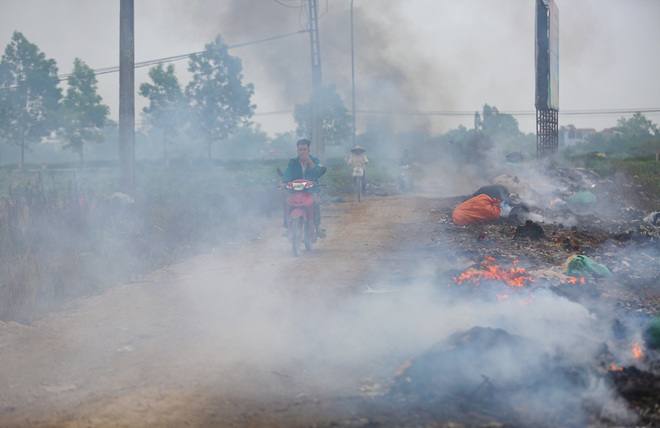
[(481, 209)]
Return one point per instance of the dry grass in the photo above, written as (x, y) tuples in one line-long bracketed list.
[(60, 240)]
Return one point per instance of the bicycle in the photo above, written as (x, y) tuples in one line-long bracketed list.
[(358, 181)]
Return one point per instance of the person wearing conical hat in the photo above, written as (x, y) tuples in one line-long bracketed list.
[(358, 158)]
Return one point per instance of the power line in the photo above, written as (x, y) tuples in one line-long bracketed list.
[(590, 112), (593, 112), (286, 5), (115, 69), (274, 113), (607, 112)]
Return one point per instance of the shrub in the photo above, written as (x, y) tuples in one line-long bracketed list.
[(645, 171)]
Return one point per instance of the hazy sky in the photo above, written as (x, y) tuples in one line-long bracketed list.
[(410, 55)]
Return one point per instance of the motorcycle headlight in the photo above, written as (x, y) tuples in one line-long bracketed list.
[(298, 186)]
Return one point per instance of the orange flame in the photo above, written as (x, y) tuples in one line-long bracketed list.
[(574, 280), (513, 277), (637, 352)]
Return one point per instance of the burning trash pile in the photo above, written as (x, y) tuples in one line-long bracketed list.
[(560, 307), (536, 358), (572, 224), (487, 374)]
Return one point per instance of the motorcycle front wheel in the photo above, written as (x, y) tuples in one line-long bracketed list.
[(308, 239), (406, 184), (297, 235)]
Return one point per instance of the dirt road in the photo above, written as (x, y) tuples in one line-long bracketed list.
[(246, 335), (352, 334)]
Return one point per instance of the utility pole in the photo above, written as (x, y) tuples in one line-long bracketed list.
[(318, 144), (477, 122), (353, 73), (126, 97)]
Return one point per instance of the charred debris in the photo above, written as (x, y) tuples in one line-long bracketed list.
[(587, 240)]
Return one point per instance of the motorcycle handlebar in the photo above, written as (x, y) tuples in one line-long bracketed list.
[(282, 185)]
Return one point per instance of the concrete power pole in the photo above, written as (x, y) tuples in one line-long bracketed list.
[(126, 97), (353, 75), (318, 144)]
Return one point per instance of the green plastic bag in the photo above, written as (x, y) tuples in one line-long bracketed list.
[(585, 197), (652, 333), (582, 266)]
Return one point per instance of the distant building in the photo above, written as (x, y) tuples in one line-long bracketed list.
[(572, 136), (610, 133)]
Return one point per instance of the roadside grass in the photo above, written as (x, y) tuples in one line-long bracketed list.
[(644, 171), (66, 234)]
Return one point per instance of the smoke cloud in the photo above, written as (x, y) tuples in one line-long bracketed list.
[(425, 55)]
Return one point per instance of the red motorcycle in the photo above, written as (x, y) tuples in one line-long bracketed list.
[(300, 214)]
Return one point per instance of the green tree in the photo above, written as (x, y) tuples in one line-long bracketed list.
[(166, 110), (634, 136), (110, 147), (636, 129), (337, 123), (499, 126), (83, 115), (219, 101), (248, 142), (29, 94)]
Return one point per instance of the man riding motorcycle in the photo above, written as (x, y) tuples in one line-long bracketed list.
[(307, 167)]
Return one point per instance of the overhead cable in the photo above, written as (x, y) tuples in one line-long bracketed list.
[(115, 69)]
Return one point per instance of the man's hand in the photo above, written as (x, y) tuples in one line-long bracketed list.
[(305, 159)]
